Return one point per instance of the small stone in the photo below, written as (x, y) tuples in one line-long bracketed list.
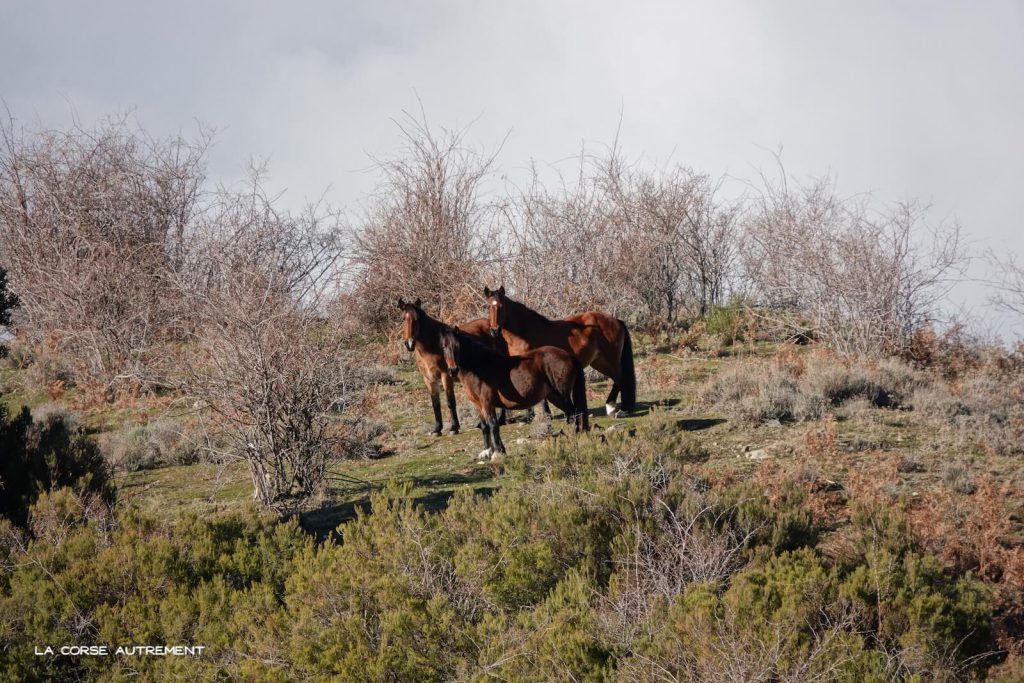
[(759, 454)]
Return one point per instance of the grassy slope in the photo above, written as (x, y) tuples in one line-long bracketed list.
[(897, 447)]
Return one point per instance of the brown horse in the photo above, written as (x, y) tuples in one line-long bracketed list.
[(421, 333), (492, 381), (597, 339)]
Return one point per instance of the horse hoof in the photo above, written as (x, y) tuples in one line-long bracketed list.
[(453, 430), (485, 454), (611, 409)]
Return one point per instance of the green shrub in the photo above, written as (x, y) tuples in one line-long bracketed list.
[(728, 322), (45, 454)]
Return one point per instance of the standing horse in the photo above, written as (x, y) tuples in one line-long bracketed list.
[(597, 339), (493, 381), (421, 333)]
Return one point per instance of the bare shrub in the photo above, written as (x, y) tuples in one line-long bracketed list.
[(685, 547), (863, 277), (677, 236), (563, 254), (265, 366), (91, 221), (426, 230), (1010, 286), (645, 244)]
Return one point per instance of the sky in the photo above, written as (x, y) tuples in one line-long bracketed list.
[(904, 99)]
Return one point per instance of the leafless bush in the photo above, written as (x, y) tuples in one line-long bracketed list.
[(560, 245), (863, 278), (637, 242), (684, 548), (91, 222), (1010, 285), (678, 236), (273, 373), (426, 232)]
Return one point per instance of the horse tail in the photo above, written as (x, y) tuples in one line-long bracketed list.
[(581, 415), (627, 372)]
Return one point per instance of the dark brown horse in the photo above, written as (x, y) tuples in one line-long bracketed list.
[(421, 333), (493, 381), (597, 339)]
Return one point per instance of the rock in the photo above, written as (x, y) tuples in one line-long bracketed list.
[(774, 422), (522, 440), (759, 454)]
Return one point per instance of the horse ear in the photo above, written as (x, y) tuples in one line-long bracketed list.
[(501, 290), (418, 302), (487, 291), (401, 303)]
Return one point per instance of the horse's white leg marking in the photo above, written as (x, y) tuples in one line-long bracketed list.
[(484, 454), (611, 409)]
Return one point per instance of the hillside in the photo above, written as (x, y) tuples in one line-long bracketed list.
[(825, 450)]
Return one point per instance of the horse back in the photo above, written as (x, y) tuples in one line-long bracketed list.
[(481, 329), (608, 326)]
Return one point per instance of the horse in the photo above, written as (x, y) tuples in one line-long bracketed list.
[(492, 381), (421, 334), (597, 339)]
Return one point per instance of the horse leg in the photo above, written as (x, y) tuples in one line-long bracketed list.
[(449, 390), (611, 403), (561, 402), (435, 403), (486, 430), (499, 447), (531, 414)]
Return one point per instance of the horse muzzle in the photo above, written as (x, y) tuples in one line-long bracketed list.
[(495, 332), (453, 372), (410, 344)]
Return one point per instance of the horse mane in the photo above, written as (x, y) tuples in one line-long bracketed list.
[(430, 330), (476, 356), (527, 315)]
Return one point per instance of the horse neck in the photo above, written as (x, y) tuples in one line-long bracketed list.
[(522, 320), (479, 360), (429, 338)]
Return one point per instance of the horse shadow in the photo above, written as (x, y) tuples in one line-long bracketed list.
[(642, 407), (323, 522), (698, 424)]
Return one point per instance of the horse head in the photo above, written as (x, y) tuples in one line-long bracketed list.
[(450, 348), (495, 309), (411, 313)]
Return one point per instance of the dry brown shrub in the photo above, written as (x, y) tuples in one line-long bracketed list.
[(973, 532), (821, 440), (789, 359)]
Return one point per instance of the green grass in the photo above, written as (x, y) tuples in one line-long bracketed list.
[(431, 467)]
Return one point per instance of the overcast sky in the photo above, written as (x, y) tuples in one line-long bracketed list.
[(906, 99)]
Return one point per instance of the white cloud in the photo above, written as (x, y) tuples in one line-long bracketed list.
[(908, 99)]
